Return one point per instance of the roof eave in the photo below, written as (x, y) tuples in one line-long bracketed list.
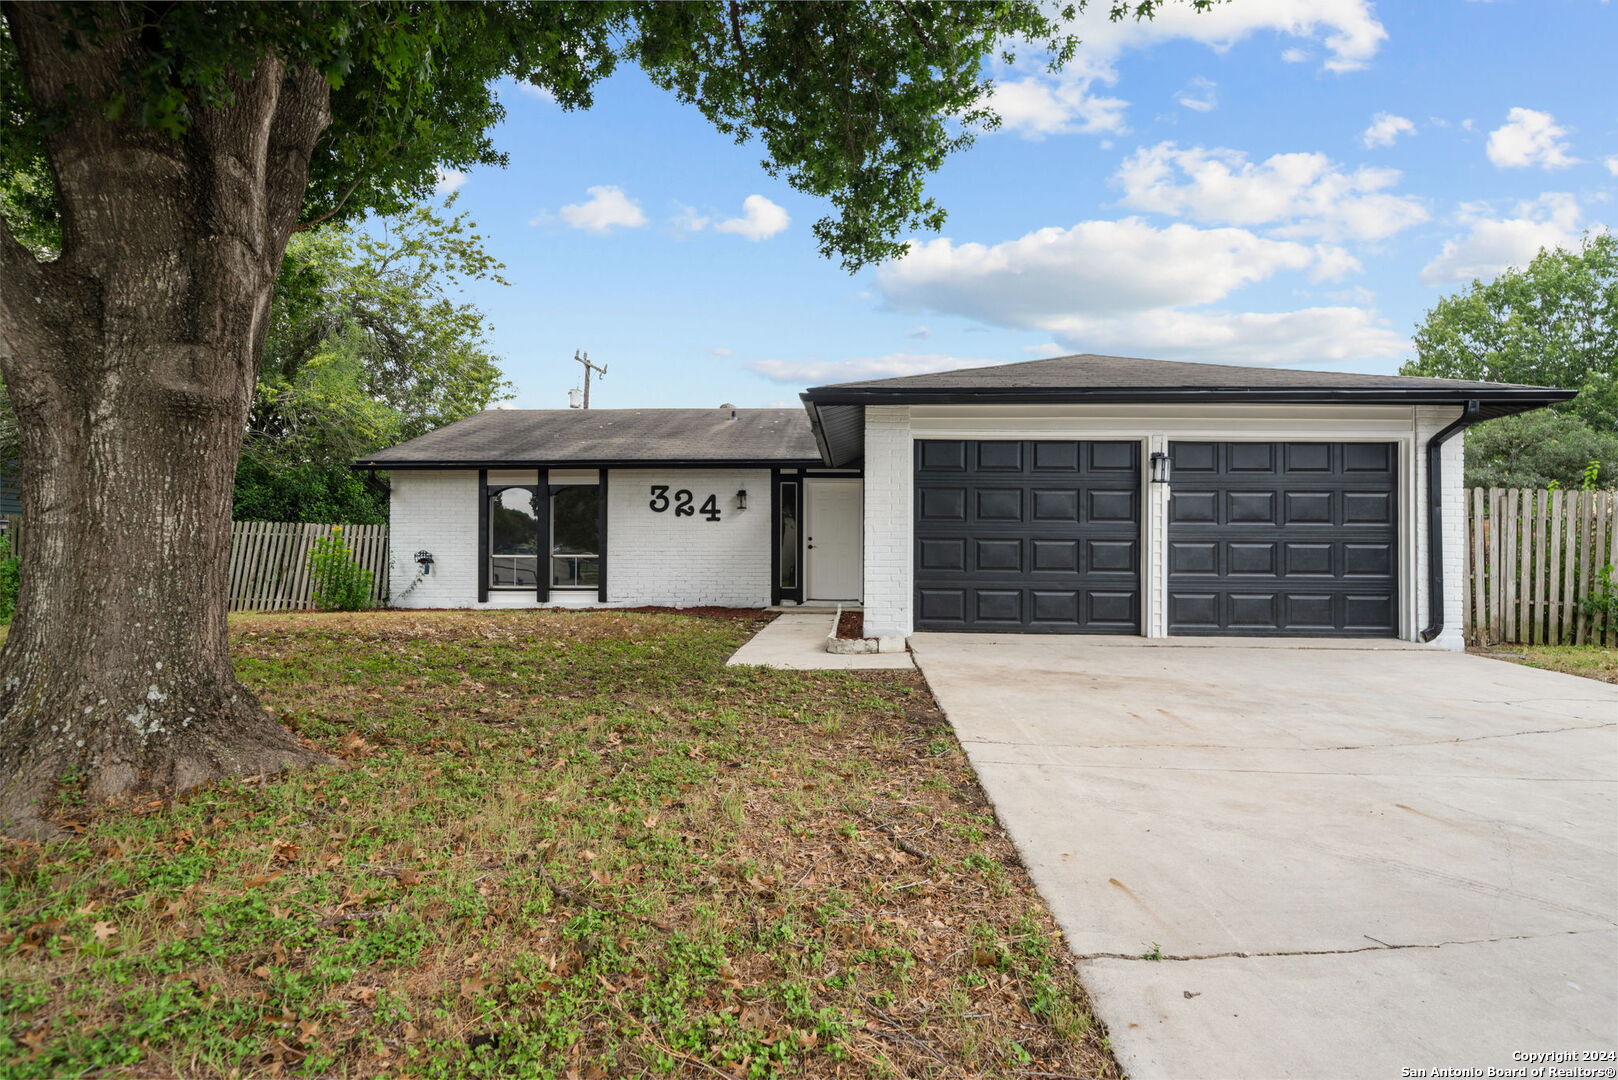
[(595, 463), (1022, 395)]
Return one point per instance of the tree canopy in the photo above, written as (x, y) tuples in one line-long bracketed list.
[(1551, 323), (367, 346), (854, 103)]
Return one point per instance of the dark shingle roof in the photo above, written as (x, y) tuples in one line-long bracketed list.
[(1088, 371), (499, 437)]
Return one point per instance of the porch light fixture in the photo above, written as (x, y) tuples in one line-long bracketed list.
[(425, 558), (741, 500), (1160, 467)]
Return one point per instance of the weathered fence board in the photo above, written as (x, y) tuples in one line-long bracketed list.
[(1532, 556), (269, 562)]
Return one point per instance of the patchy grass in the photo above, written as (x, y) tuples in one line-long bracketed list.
[(566, 844), (1591, 661)]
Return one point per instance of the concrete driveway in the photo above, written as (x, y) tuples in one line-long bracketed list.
[(1354, 859)]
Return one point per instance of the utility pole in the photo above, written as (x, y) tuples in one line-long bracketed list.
[(584, 358)]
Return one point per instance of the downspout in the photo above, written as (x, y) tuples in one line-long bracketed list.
[(1435, 514)]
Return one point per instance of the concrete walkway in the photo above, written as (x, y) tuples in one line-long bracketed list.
[(797, 640), (1352, 859)]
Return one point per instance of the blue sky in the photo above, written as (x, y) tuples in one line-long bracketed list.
[(1278, 182)]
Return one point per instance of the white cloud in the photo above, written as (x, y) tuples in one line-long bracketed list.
[(1491, 244), (687, 220), (607, 208), (1385, 129), (1612, 164), (760, 220), (1095, 266), (448, 180), (1200, 95), (1036, 106), (815, 372), (1347, 30), (1530, 137), (1303, 194), (1307, 336), (1045, 349), (1126, 286)]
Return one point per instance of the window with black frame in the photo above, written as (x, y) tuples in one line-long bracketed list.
[(513, 538), (787, 540), (575, 536)]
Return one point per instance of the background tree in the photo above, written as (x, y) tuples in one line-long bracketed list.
[(1537, 449), (1552, 323), (366, 347), (186, 143)]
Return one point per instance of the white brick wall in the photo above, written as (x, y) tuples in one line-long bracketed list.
[(652, 558), (1429, 419), (889, 517), (436, 511), (657, 558)]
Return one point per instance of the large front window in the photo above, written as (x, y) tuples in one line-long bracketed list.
[(575, 537), (513, 538)]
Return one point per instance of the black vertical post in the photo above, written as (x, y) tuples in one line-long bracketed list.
[(601, 537), (542, 554), (483, 536), (775, 537)]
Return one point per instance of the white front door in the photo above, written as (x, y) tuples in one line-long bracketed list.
[(833, 510)]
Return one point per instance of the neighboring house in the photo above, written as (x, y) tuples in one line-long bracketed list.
[(1081, 494)]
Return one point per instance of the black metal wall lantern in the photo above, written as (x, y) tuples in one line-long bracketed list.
[(741, 500), (1160, 467), (425, 558)]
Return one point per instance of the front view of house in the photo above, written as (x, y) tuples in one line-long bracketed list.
[(1076, 495)]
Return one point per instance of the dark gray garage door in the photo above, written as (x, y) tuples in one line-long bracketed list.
[(1283, 539), (1039, 537)]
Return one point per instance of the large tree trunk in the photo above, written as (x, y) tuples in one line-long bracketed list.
[(131, 362)]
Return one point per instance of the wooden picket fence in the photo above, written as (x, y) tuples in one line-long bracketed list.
[(269, 562), (1532, 556)]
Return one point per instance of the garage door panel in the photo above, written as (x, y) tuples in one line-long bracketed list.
[(999, 555), (942, 504), (998, 504), (1033, 536), (1315, 522), (999, 456), (942, 553), (1116, 507), (1056, 505), (1055, 556)]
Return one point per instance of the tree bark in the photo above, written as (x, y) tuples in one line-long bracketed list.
[(131, 361)]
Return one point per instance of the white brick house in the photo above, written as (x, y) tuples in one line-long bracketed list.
[(1082, 494)]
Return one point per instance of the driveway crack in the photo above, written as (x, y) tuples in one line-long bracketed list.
[(1378, 946)]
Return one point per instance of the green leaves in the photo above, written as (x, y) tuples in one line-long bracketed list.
[(366, 348), (855, 103), (1553, 323)]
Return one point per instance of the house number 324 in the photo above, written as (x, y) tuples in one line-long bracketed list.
[(682, 502)]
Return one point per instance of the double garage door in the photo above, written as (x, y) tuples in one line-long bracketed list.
[(1041, 536)]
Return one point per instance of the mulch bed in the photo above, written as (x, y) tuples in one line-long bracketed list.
[(851, 625)]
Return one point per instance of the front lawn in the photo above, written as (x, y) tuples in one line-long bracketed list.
[(1590, 661), (566, 844)]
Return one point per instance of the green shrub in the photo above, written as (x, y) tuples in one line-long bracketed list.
[(340, 583), (1602, 603), (10, 578)]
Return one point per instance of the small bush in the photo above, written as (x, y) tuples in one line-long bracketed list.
[(340, 583), (1602, 603), (10, 579)]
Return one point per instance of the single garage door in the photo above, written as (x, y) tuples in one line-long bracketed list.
[(1283, 539), (1029, 536)]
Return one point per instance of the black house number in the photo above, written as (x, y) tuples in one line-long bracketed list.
[(682, 503)]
